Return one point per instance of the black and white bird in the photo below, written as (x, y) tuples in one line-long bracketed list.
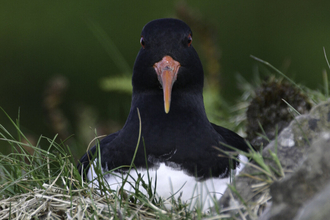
[(178, 143)]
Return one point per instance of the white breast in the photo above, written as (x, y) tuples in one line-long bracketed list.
[(171, 183)]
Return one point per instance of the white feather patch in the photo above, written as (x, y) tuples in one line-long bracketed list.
[(173, 183)]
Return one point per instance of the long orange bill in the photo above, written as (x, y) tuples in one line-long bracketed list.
[(167, 70)]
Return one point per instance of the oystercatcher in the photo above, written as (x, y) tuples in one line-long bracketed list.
[(177, 144)]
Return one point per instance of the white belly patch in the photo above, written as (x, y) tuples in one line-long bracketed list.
[(171, 183)]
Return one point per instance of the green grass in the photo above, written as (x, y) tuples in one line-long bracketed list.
[(42, 180), (46, 182)]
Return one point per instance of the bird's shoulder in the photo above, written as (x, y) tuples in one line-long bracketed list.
[(86, 160), (231, 138)]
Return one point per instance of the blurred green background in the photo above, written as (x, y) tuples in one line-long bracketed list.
[(54, 55)]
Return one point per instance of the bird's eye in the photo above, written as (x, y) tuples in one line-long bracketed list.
[(189, 40), (142, 42)]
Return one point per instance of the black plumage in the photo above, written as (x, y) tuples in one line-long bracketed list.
[(175, 128)]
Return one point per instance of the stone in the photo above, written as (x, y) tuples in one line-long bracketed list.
[(318, 208), (291, 193), (301, 150)]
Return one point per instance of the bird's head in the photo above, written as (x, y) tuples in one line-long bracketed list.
[(168, 60)]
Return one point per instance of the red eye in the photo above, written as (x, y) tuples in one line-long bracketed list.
[(142, 42), (189, 40)]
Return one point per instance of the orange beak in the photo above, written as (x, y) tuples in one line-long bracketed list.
[(167, 71)]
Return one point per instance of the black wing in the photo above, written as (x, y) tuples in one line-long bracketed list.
[(86, 160), (232, 138)]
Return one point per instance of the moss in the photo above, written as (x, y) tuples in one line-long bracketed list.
[(269, 110)]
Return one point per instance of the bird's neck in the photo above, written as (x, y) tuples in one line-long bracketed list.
[(185, 106)]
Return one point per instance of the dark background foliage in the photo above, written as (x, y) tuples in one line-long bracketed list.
[(53, 56)]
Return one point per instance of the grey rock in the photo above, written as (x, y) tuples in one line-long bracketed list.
[(318, 208), (310, 178), (293, 147)]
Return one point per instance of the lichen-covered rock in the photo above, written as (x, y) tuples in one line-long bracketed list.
[(318, 208), (295, 145), (309, 179)]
